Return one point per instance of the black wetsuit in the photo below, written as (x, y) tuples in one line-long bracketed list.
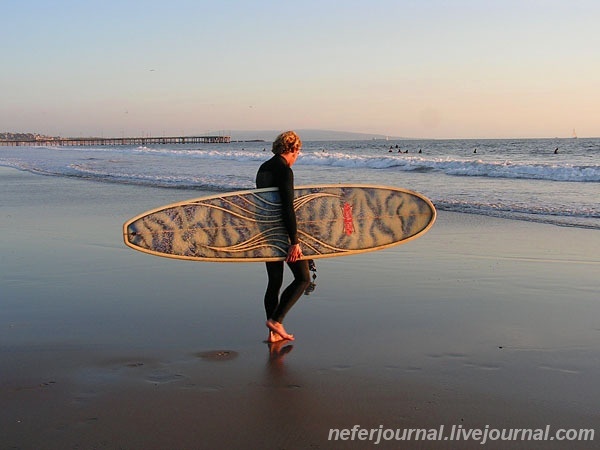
[(276, 173)]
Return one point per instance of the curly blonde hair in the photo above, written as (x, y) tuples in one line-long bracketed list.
[(287, 142)]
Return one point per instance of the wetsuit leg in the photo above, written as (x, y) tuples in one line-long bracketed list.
[(293, 292), (275, 274)]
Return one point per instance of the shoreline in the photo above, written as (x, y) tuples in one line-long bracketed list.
[(481, 321)]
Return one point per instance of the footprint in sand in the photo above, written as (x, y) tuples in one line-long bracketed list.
[(218, 355)]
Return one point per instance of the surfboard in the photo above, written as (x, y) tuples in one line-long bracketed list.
[(246, 226)]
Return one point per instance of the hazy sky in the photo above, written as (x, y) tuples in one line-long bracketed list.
[(414, 68)]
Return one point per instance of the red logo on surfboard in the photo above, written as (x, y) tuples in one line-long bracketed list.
[(348, 223)]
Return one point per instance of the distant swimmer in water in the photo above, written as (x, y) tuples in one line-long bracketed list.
[(556, 151), (420, 151), (475, 151)]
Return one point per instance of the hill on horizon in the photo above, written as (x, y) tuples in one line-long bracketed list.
[(306, 135)]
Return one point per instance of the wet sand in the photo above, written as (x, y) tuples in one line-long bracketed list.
[(480, 322)]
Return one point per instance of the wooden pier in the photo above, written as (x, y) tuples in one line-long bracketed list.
[(84, 142)]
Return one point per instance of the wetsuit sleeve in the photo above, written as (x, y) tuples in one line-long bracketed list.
[(286, 193)]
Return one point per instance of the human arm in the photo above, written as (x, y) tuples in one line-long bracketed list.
[(288, 214)]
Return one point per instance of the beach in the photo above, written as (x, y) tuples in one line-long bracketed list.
[(481, 322)]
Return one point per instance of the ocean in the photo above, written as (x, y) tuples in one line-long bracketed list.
[(521, 179)]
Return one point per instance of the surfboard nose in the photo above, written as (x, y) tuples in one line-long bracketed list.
[(132, 235)]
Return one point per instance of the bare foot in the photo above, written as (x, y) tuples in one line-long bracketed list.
[(274, 337), (277, 328)]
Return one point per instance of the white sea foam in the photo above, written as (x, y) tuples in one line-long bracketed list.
[(447, 165), (520, 180)]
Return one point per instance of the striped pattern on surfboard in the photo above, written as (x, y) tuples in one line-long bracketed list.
[(333, 220)]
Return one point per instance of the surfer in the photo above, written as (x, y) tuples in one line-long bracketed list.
[(277, 172)]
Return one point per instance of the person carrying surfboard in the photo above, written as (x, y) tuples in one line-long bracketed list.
[(277, 172)]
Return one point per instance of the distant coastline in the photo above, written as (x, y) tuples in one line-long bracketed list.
[(309, 135), (236, 136), (8, 136), (270, 135)]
